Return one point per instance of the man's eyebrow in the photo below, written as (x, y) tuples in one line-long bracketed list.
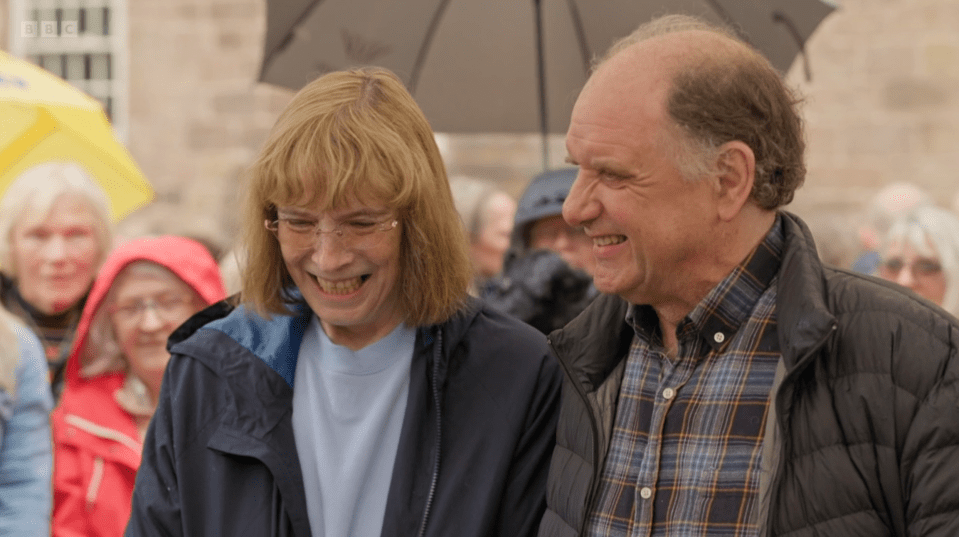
[(609, 165)]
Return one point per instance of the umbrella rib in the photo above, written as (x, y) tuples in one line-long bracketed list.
[(285, 42), (728, 20), (781, 18), (541, 74), (424, 48), (580, 35)]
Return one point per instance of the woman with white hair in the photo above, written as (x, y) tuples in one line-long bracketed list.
[(25, 453), (55, 232), (921, 252), (487, 214)]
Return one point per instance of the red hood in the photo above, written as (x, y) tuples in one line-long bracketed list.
[(186, 258)]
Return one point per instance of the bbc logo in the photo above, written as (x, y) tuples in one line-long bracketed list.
[(49, 29)]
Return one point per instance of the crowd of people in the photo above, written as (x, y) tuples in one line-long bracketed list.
[(645, 341)]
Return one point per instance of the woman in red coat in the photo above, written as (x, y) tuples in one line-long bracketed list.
[(145, 290)]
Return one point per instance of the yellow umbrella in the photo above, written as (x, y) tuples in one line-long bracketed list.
[(42, 119)]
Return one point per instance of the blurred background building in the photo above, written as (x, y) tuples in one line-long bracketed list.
[(178, 78)]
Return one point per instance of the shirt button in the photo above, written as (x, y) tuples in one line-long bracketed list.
[(646, 493), (719, 337), (669, 393)]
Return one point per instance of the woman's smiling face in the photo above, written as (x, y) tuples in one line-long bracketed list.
[(351, 279)]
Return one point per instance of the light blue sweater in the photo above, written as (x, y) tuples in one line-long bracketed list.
[(26, 459), (348, 409)]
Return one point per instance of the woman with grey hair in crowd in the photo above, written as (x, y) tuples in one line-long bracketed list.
[(55, 232), (921, 252), (487, 214)]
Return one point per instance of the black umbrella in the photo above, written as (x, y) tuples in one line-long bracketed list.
[(497, 65)]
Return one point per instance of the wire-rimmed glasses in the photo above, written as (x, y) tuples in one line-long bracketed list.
[(920, 267), (166, 307), (302, 232)]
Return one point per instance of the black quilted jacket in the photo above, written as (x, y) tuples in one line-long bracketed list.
[(867, 414)]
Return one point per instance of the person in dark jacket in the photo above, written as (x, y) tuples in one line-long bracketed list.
[(356, 389), (726, 382), (545, 280)]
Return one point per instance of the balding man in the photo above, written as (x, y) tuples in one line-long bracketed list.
[(727, 383)]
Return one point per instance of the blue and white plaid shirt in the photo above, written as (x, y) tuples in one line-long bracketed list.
[(684, 459)]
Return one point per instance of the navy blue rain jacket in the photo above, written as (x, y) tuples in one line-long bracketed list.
[(474, 452)]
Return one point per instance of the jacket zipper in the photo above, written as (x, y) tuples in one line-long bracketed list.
[(774, 482), (594, 482), (437, 352), (93, 489)]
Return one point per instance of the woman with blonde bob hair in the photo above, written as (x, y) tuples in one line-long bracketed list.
[(401, 166), (356, 388)]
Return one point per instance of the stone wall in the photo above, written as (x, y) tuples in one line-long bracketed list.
[(883, 102), (197, 115)]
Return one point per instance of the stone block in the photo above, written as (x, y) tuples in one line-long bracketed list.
[(204, 137), (942, 60), (222, 10), (911, 94), (885, 61), (254, 137), (232, 40), (234, 103), (187, 12)]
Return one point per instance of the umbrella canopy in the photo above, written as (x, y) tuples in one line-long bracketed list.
[(42, 119), (498, 66)]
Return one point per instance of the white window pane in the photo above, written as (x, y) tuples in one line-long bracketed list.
[(52, 63), (94, 21), (100, 66), (76, 67)]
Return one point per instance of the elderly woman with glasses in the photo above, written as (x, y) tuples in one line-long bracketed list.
[(921, 252), (357, 389), (146, 289)]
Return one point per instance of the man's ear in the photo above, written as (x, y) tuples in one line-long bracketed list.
[(736, 172)]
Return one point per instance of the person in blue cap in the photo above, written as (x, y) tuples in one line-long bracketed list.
[(545, 280)]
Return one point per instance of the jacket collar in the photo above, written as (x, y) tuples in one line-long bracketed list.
[(262, 399), (804, 318), (593, 344), (257, 422)]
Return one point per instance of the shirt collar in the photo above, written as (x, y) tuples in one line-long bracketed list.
[(719, 315)]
